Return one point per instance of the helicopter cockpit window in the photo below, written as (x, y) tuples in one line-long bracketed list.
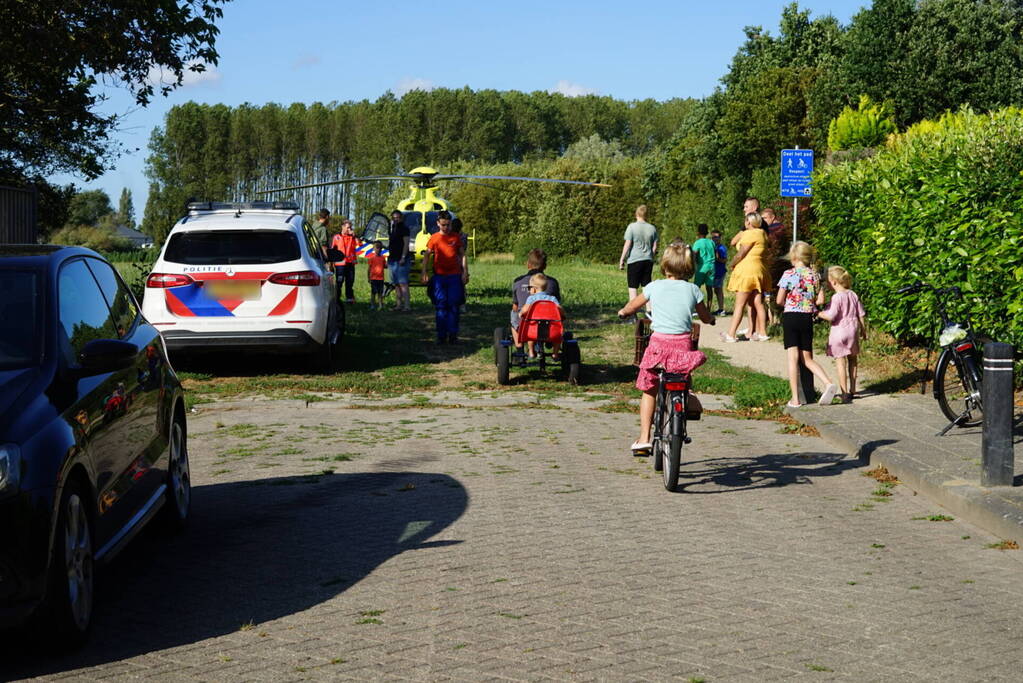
[(431, 222), (413, 221)]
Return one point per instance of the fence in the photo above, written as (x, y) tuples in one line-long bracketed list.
[(18, 215)]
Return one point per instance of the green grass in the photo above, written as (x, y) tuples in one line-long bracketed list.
[(387, 354)]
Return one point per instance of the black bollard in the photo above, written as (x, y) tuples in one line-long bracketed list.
[(996, 393)]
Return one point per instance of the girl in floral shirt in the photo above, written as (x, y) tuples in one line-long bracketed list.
[(800, 292)]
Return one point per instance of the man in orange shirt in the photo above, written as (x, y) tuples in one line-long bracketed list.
[(445, 253), (377, 263), (347, 243)]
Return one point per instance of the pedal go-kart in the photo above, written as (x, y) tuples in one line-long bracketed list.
[(541, 327)]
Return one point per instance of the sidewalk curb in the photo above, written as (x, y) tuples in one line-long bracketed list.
[(983, 507)]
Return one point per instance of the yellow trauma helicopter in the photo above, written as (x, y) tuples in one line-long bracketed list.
[(421, 207)]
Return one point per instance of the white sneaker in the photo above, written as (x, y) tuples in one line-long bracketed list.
[(829, 395)]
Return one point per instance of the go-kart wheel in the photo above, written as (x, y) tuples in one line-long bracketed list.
[(503, 363), (498, 336), (574, 370), (572, 361)]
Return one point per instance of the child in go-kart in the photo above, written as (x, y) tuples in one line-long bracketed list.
[(673, 301), (536, 262), (537, 287)]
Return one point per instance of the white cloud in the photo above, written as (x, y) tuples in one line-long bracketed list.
[(159, 75), (569, 89), (408, 84), (306, 60)]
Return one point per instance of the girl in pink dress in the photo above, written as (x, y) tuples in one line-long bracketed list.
[(848, 325)]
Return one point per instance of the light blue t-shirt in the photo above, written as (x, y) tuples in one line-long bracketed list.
[(642, 235), (540, 296), (672, 304)]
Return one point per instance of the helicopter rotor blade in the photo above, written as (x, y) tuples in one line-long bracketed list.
[(473, 182), (343, 181), (511, 177)]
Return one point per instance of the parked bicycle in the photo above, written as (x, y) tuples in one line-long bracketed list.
[(957, 375)]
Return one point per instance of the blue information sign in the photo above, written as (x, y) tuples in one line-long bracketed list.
[(796, 172)]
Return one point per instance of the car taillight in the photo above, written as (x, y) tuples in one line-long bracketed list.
[(676, 386), (966, 346), (161, 280), (302, 278)]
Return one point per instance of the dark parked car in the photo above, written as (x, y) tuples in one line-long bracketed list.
[(92, 431)]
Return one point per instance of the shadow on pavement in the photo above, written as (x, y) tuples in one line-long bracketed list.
[(763, 471), (254, 551)]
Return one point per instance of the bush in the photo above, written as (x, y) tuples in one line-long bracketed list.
[(941, 203), (97, 238), (867, 126)]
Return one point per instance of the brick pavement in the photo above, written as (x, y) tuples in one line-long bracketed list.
[(900, 432), (517, 543)]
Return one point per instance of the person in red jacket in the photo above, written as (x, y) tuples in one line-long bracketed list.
[(347, 243)]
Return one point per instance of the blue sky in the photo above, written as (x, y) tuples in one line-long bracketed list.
[(319, 50)]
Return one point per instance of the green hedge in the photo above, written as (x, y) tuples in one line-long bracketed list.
[(941, 203)]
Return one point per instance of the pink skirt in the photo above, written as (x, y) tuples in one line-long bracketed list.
[(673, 353)]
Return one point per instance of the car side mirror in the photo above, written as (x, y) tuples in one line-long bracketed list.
[(106, 355), (334, 255)]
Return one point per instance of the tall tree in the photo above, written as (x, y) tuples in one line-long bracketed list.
[(55, 51), (87, 208), (126, 209)]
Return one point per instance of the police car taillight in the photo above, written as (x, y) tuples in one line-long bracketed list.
[(302, 278), (161, 280)]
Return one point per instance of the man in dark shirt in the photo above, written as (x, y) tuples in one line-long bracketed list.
[(536, 262), (399, 259)]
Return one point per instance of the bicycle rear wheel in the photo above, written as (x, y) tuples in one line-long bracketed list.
[(955, 390), (671, 448)]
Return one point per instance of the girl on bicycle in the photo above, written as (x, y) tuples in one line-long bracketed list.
[(799, 291), (673, 301), (848, 324)]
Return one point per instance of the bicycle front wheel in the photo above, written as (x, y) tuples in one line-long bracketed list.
[(671, 448), (956, 391)]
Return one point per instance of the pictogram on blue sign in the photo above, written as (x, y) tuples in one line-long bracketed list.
[(796, 172)]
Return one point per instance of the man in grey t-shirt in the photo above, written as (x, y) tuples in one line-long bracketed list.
[(640, 248)]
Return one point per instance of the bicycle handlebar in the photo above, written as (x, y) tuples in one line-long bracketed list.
[(920, 286), (911, 289)]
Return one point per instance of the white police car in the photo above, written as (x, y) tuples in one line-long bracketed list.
[(245, 276)]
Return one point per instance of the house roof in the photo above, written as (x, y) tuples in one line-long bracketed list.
[(133, 235)]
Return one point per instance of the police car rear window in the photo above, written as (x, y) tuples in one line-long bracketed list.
[(232, 247)]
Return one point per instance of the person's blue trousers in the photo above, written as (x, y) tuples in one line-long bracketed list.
[(448, 295)]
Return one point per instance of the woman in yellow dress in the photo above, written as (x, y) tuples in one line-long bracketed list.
[(749, 279)]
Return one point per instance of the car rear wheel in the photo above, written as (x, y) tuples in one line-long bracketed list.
[(324, 358), (179, 477)]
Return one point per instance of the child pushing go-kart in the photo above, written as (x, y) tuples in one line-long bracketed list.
[(673, 301)]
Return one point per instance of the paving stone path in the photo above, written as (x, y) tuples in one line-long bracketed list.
[(523, 543)]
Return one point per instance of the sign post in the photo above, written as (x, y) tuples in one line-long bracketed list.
[(796, 173)]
